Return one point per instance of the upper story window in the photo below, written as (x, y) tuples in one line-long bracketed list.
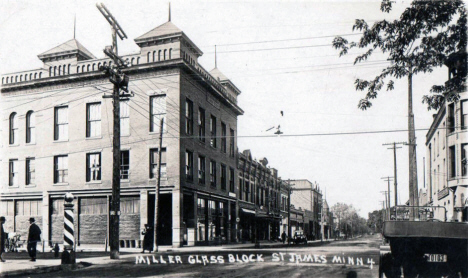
[(452, 165), (201, 170), (61, 169), (124, 118), (223, 138), (61, 123), (213, 173), (188, 117), (13, 170), (451, 118), (464, 114), (223, 177), (93, 119), (93, 167), (13, 128), (124, 165), (231, 142), (30, 127), (231, 180), (213, 131), (189, 165), (464, 154), (201, 124), (157, 112), (154, 157), (30, 171)]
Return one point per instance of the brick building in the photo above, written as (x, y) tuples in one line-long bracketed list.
[(260, 203), (55, 137), (307, 196), (447, 150)]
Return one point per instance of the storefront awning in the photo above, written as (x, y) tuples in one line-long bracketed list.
[(247, 210)]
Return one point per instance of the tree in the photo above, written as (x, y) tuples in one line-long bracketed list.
[(349, 221), (426, 33)]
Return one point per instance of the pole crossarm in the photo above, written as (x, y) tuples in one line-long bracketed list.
[(112, 21)]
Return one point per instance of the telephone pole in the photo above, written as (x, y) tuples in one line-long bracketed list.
[(120, 81), (158, 186), (386, 204), (394, 148)]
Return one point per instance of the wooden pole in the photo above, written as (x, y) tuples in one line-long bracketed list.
[(158, 185)]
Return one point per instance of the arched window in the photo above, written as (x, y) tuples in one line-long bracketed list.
[(148, 57), (7, 79), (159, 55), (3, 79), (13, 128), (16, 78), (30, 127), (59, 70), (21, 78), (30, 76), (165, 51), (99, 65), (88, 68), (78, 69), (83, 68), (104, 64), (64, 69), (133, 61), (50, 71), (154, 56), (138, 60), (40, 75), (94, 67), (170, 53), (55, 70), (25, 77), (69, 68), (35, 75)]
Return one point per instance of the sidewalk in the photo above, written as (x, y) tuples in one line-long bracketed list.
[(19, 264)]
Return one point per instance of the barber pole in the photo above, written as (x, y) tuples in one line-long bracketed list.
[(68, 223)]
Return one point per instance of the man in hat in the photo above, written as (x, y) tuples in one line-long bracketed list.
[(2, 238), (34, 236)]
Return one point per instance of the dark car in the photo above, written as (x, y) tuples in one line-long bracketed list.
[(299, 237)]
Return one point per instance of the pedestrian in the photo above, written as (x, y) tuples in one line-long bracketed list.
[(2, 238), (283, 236), (34, 236), (148, 233)]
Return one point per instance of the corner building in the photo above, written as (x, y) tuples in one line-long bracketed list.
[(56, 137), (447, 151)]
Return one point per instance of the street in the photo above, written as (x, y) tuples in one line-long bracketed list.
[(360, 254)]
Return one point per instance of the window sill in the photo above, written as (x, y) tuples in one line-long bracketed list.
[(13, 186), (30, 186), (31, 144), (127, 135), (60, 141), (94, 138), (156, 179), (13, 145), (125, 180), (94, 182), (61, 184)]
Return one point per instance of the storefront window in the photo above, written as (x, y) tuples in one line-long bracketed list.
[(211, 220), (201, 212)]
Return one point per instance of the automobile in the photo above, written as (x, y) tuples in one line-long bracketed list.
[(299, 237)]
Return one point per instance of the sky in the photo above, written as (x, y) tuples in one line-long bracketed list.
[(279, 54)]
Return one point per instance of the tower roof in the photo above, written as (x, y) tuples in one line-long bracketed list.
[(165, 29), (216, 73), (70, 47)]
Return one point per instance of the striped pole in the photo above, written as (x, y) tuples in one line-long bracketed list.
[(68, 223)]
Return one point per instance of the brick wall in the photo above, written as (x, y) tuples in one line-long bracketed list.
[(130, 226), (93, 229)]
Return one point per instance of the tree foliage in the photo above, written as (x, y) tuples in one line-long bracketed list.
[(426, 33), (349, 220)]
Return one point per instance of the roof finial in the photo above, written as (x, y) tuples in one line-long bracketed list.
[(216, 62), (169, 11), (74, 28)]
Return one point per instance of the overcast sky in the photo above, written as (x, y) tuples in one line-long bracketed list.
[(279, 55)]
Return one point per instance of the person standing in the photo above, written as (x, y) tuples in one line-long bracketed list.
[(148, 241), (34, 236), (2, 239), (283, 237)]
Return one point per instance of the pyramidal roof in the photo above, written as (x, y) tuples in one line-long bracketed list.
[(218, 75), (165, 29), (70, 46)]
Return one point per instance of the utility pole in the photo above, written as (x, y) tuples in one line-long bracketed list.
[(394, 148), (388, 179), (386, 204), (413, 169), (120, 81), (289, 212), (157, 189)]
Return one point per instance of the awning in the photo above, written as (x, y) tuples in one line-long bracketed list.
[(247, 210)]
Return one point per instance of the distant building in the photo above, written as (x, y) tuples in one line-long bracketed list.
[(447, 150), (308, 196), (56, 137)]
